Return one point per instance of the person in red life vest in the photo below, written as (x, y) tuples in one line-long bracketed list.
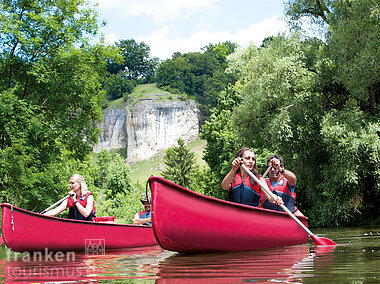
[(242, 188), (81, 203), (144, 217), (281, 182)]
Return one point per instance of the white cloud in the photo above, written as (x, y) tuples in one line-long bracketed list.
[(159, 11), (257, 32), (111, 38), (168, 26), (163, 45)]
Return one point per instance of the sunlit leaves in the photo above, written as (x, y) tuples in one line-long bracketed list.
[(50, 81)]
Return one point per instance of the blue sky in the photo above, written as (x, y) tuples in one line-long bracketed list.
[(168, 26)]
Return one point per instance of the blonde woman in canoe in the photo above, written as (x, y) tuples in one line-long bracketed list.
[(81, 203), (242, 188)]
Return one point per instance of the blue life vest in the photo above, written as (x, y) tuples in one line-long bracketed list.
[(145, 215), (243, 192), (281, 189)]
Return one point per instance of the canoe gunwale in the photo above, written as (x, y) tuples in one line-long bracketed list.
[(68, 220)]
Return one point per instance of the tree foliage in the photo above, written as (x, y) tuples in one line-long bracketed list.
[(198, 74), (118, 177), (181, 167), (117, 86), (117, 195), (315, 102), (136, 62), (352, 33), (50, 95)]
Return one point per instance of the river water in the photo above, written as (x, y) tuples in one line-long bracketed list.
[(355, 260)]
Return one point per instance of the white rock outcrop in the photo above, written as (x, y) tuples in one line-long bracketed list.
[(113, 133), (148, 127)]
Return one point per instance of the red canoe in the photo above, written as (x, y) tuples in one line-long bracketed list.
[(24, 231), (186, 221)]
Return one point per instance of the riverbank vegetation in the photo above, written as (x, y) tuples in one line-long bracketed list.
[(314, 100)]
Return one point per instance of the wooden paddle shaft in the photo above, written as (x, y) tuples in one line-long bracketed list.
[(55, 204), (283, 207)]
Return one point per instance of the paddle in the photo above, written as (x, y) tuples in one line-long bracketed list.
[(47, 209), (55, 204), (318, 241), (266, 172)]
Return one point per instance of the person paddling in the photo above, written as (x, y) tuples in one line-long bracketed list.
[(242, 189), (281, 182), (81, 203)]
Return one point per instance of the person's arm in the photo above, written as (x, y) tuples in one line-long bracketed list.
[(227, 181), (291, 177), (57, 209), (139, 221), (136, 218), (142, 221), (85, 211), (277, 200)]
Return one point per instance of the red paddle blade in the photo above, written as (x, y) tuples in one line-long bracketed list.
[(320, 241)]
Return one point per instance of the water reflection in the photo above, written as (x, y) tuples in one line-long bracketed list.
[(277, 264), (355, 260), (153, 264), (117, 264)]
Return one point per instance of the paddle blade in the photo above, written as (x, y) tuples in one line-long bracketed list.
[(321, 241)]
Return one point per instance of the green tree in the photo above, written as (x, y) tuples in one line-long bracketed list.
[(293, 105), (50, 78), (118, 177), (117, 196), (174, 74), (348, 68), (222, 142), (137, 62), (104, 157), (180, 165), (198, 74), (352, 33), (117, 86)]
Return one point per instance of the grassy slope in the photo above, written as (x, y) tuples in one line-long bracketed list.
[(140, 171), (144, 90)]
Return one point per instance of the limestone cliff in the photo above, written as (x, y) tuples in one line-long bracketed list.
[(148, 127)]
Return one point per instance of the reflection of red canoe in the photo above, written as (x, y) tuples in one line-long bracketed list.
[(27, 231), (186, 221), (272, 265), (114, 266)]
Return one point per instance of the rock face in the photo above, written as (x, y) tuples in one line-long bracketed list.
[(113, 133), (148, 127)]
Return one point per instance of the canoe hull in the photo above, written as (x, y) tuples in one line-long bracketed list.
[(185, 221), (24, 231)]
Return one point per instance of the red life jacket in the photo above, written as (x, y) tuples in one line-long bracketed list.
[(281, 189), (243, 192), (74, 212)]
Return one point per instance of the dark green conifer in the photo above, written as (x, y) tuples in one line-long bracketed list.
[(180, 164)]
